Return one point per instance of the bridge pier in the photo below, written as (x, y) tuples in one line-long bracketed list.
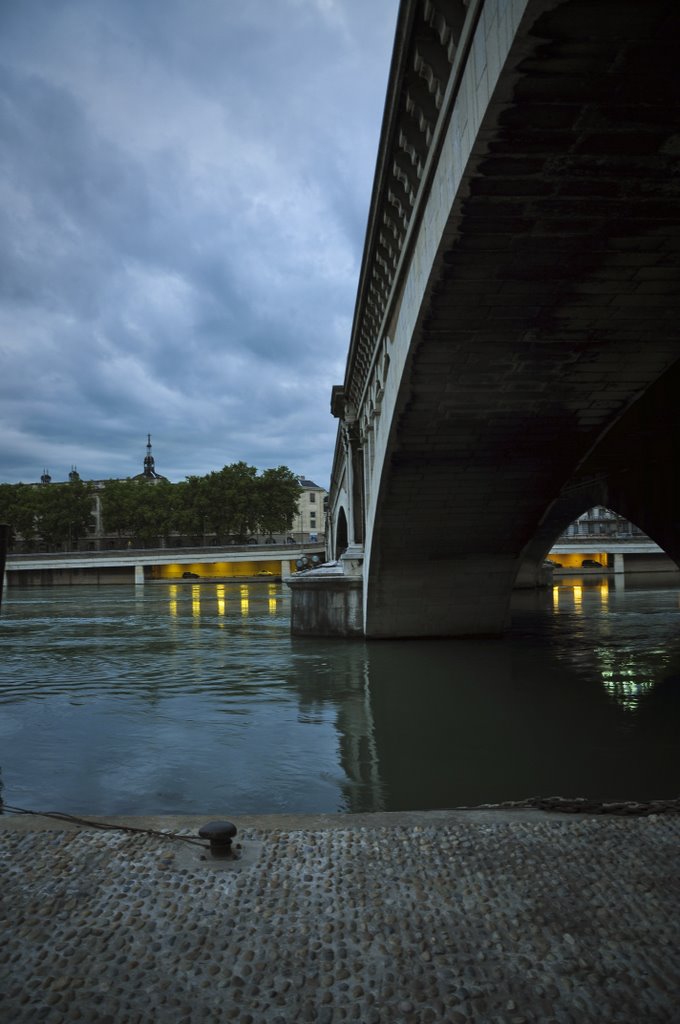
[(452, 597), (139, 575), (532, 575), (326, 605)]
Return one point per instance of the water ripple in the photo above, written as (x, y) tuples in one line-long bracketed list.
[(114, 702)]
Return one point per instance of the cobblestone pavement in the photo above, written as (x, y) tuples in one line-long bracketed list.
[(459, 918)]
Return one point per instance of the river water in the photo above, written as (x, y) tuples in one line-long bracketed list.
[(190, 699)]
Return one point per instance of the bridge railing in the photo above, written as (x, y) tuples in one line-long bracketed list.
[(430, 50)]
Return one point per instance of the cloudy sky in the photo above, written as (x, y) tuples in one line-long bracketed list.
[(184, 189)]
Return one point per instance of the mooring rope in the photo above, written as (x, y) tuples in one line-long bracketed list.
[(106, 826), (583, 805)]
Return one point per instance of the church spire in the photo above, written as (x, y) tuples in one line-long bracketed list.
[(149, 466), (149, 473)]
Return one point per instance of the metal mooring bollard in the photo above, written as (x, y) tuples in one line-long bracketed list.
[(220, 835)]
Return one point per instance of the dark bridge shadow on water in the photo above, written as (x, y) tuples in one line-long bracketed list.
[(466, 722)]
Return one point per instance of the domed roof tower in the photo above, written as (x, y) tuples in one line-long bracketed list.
[(150, 475)]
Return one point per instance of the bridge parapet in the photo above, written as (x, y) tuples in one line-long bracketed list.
[(433, 38)]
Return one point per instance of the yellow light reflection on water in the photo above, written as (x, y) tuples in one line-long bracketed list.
[(221, 599), (625, 677), (272, 599), (244, 600), (196, 601), (568, 595), (173, 600)]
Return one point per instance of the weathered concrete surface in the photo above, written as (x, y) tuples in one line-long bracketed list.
[(472, 916), (326, 604)]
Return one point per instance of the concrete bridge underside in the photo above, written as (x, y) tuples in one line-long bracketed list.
[(526, 361)]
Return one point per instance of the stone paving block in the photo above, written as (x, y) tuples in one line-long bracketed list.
[(476, 917)]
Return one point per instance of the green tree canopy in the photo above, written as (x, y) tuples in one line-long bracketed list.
[(231, 503), (63, 512), (278, 494), (140, 510), (191, 509), (234, 502), (55, 514), (18, 508)]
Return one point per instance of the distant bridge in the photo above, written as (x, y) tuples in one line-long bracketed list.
[(515, 344), (632, 554), (140, 564)]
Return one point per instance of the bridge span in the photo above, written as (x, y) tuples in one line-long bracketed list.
[(514, 356), (139, 565)]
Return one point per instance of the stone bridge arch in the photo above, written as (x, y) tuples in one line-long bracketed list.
[(340, 533), (516, 336), (632, 470)]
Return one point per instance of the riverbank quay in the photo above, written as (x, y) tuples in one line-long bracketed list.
[(505, 917)]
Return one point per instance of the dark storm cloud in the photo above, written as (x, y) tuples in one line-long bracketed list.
[(183, 197)]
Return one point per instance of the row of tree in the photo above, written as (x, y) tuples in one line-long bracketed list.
[(230, 504), (51, 515)]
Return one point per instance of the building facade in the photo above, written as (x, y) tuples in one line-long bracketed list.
[(310, 522), (601, 522), (602, 540)]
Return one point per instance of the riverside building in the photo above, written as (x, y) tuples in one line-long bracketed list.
[(308, 525)]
